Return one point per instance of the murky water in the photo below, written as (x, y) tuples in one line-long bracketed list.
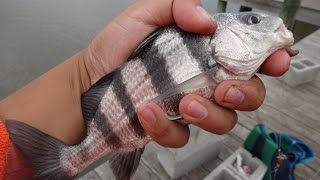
[(35, 35)]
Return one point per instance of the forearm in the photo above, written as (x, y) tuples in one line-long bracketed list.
[(51, 102)]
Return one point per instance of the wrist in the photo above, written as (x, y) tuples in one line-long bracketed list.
[(52, 102), (80, 71), (1, 111)]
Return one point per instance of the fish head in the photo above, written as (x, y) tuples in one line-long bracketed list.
[(244, 40)]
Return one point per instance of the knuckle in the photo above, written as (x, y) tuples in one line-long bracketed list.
[(233, 119), (261, 93), (226, 123), (256, 93), (160, 133), (201, 123), (180, 143)]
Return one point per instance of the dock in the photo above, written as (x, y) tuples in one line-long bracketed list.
[(308, 12), (292, 110)]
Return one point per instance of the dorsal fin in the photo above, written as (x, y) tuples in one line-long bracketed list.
[(91, 99), (145, 43)]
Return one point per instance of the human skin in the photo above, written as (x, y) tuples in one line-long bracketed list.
[(52, 102)]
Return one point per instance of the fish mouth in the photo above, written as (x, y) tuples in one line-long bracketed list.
[(286, 36), (284, 32), (280, 28)]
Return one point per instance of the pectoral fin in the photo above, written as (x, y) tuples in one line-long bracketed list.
[(202, 84)]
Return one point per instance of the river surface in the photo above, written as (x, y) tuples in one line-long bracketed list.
[(36, 35)]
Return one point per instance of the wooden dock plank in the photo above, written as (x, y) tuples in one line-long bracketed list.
[(104, 172), (309, 46), (197, 173), (292, 101), (92, 175), (212, 164), (144, 172), (149, 158)]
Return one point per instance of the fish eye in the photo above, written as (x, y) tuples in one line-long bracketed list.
[(253, 19)]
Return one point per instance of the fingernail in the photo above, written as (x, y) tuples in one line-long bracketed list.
[(148, 116), (234, 96), (204, 13), (197, 111)]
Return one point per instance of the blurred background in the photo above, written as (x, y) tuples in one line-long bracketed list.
[(36, 35)]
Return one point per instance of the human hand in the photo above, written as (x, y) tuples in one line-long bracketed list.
[(55, 108), (147, 16), (217, 117)]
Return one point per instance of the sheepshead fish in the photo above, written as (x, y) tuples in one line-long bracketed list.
[(165, 67)]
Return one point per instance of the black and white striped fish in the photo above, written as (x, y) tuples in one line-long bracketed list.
[(168, 65)]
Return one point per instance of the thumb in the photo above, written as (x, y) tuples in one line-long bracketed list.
[(164, 132), (118, 40)]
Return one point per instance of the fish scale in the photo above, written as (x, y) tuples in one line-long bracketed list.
[(168, 65)]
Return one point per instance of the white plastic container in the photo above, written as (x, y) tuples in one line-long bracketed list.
[(230, 169)]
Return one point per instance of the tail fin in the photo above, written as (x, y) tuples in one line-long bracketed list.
[(41, 150)]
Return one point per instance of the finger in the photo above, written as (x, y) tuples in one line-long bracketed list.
[(207, 115), (277, 64), (241, 95), (164, 132), (192, 17)]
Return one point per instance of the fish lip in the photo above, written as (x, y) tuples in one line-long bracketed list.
[(279, 28), (282, 29), (284, 33)]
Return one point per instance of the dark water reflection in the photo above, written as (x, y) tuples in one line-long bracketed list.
[(35, 35)]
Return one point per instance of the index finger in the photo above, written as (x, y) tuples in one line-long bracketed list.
[(276, 64)]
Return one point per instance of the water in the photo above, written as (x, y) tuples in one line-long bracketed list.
[(36, 35)]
